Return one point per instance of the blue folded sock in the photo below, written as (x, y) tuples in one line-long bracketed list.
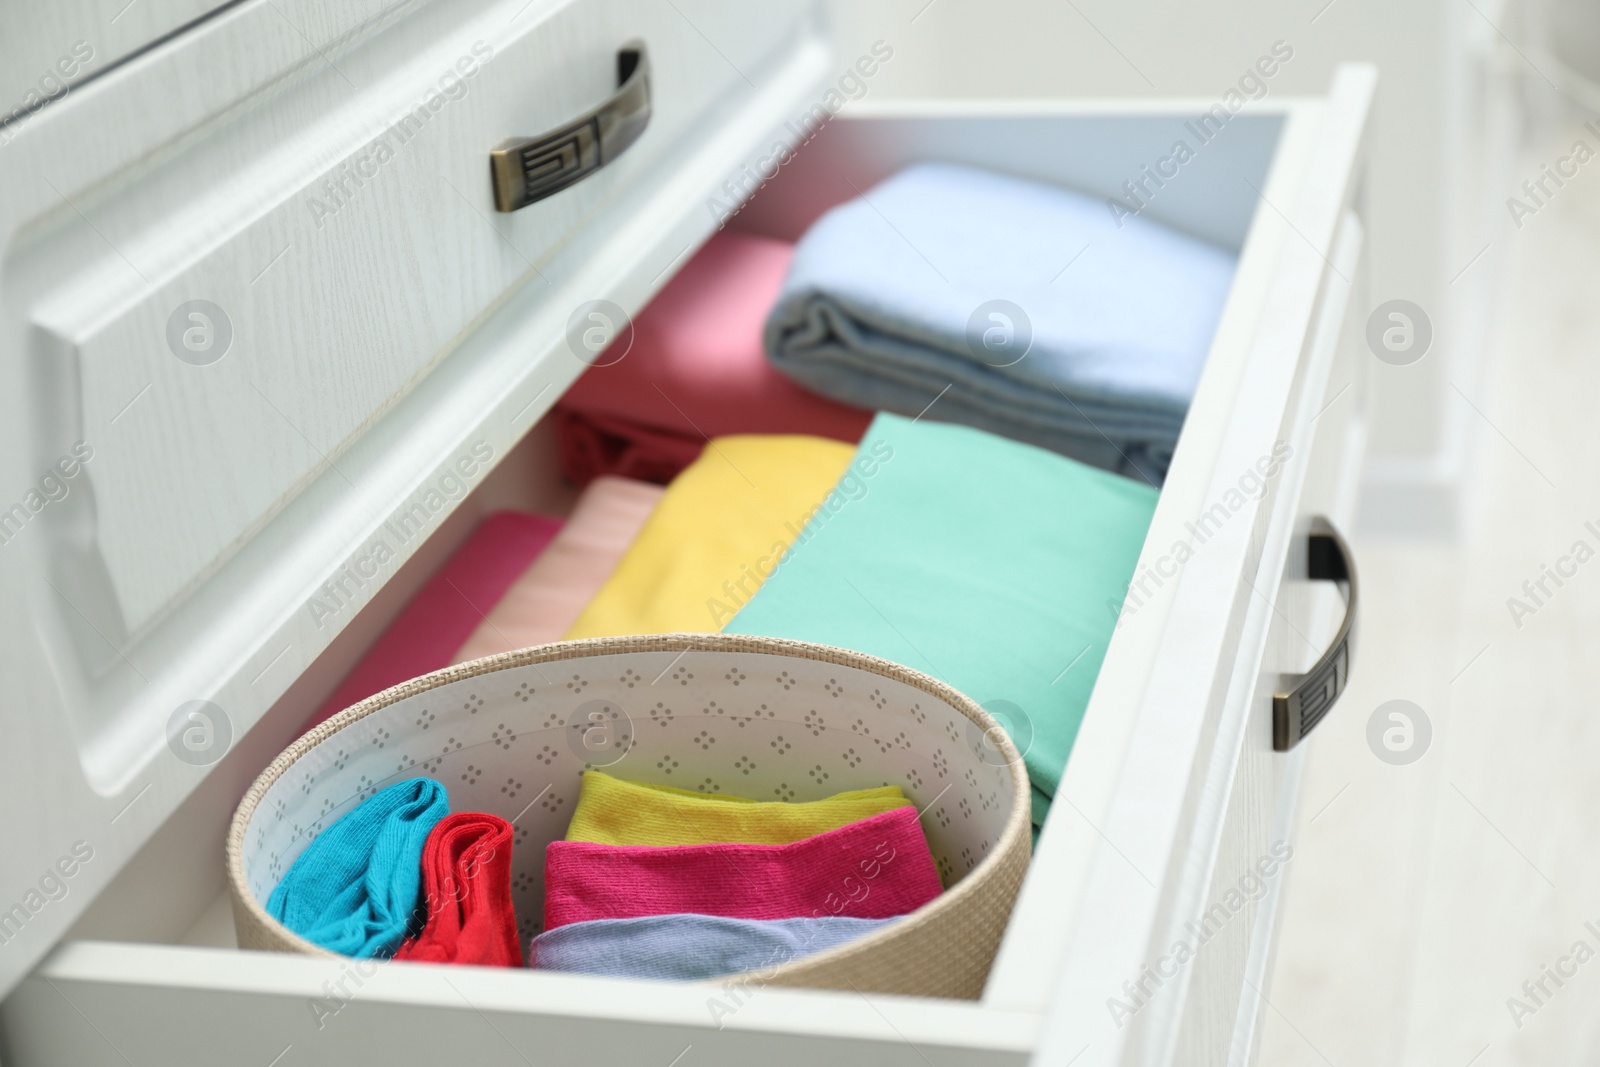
[(356, 888), (909, 294), (684, 947)]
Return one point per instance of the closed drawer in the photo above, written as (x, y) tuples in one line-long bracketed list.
[(1172, 787), (58, 48), (50, 54), (225, 316)]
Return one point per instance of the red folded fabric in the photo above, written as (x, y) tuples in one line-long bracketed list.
[(697, 369), (466, 885), (442, 615), (873, 869), (595, 445)]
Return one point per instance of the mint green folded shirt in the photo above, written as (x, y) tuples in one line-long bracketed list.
[(985, 562)]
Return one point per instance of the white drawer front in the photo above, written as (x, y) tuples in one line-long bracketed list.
[(220, 323), (58, 48), (44, 56)]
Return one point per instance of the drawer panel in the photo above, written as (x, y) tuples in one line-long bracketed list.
[(52, 53), (58, 47), (1167, 786), (224, 322)]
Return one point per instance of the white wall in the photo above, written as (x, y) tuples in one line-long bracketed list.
[(1434, 202)]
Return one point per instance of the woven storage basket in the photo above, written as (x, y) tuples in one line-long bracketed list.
[(748, 716)]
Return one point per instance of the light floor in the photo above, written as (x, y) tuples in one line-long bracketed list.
[(1422, 897)]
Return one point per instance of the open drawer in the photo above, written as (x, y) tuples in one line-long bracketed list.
[(1173, 801)]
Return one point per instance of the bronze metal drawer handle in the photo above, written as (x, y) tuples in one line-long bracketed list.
[(1302, 700), (526, 169)]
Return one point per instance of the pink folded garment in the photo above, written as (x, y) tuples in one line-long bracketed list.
[(549, 596), (873, 869), (697, 369), (446, 610)]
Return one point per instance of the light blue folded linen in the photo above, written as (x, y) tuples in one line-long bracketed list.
[(685, 947), (885, 307)]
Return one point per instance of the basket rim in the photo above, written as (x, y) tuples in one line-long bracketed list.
[(1015, 834)]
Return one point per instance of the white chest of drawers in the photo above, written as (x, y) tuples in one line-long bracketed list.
[(320, 179)]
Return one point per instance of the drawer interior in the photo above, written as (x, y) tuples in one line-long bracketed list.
[(1107, 157), (172, 893), (1091, 153)]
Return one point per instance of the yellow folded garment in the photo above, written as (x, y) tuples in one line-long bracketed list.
[(719, 531), (611, 811)]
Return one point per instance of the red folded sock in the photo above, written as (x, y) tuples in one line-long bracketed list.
[(466, 881), (873, 869)]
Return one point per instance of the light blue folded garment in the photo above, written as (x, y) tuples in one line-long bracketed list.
[(883, 307), (685, 947), (357, 887)]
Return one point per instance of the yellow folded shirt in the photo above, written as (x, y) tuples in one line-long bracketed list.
[(611, 811), (719, 531)]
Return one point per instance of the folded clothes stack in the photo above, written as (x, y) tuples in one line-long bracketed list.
[(650, 881), (1009, 305), (695, 370), (655, 882), (992, 565), (718, 529), (446, 610), (987, 541), (518, 580), (545, 601), (631, 559)]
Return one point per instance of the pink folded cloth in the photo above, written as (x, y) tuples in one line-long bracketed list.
[(696, 370), (873, 869), (446, 610), (549, 596)]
